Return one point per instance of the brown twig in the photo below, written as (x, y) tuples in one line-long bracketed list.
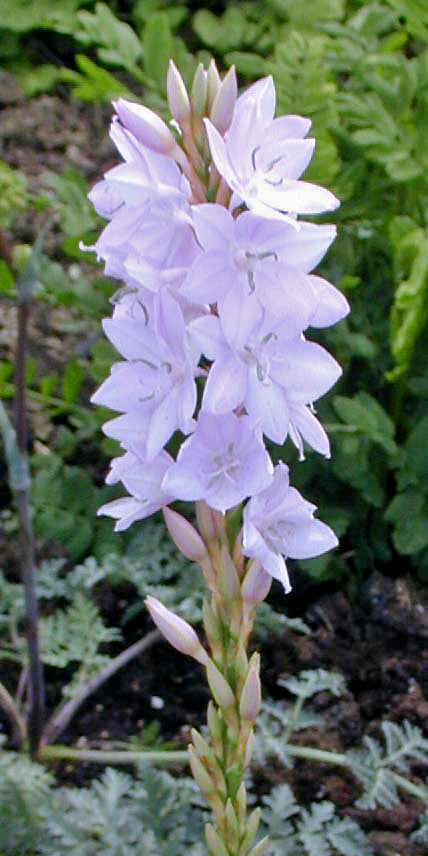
[(65, 712), (12, 712)]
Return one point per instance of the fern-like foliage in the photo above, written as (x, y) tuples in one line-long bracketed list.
[(24, 789), (312, 681), (153, 815), (375, 765), (278, 721), (318, 831), (75, 635)]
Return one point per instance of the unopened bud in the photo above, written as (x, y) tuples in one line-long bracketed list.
[(249, 749), (260, 848), (228, 576), (198, 96), (256, 584), (214, 843), (206, 521), (251, 828), (251, 696), (200, 774), (215, 726), (212, 623), (219, 687), (178, 98), (232, 821), (213, 83), (146, 126), (177, 631), (185, 536), (223, 106), (241, 801), (201, 746)]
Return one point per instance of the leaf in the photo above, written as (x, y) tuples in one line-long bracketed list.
[(409, 312), (313, 681), (72, 381), (157, 48), (119, 44), (92, 82), (366, 415)]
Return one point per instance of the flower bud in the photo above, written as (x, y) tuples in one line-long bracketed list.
[(201, 746), (228, 577), (251, 828), (260, 848), (214, 843), (146, 126), (223, 106), (178, 98), (256, 584), (232, 820), (198, 96), (212, 623), (206, 521), (177, 631), (200, 774), (251, 696), (249, 750), (215, 726), (219, 687), (185, 536), (241, 802), (213, 83)]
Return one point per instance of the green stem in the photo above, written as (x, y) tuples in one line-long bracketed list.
[(340, 759), (99, 756)]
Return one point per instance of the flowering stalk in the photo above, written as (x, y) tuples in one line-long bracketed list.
[(218, 293)]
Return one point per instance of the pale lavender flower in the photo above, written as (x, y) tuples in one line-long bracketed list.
[(261, 159), (246, 259), (142, 480), (223, 462), (156, 387), (279, 523), (259, 364)]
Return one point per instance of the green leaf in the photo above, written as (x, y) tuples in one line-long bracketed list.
[(72, 381), (367, 416), (93, 83), (409, 312), (119, 44), (157, 48)]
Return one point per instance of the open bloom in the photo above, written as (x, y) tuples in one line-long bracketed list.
[(223, 462), (279, 523), (155, 387), (262, 158), (260, 365), (142, 480)]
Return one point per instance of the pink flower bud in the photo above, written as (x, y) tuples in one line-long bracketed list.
[(185, 536), (213, 83), (256, 584), (200, 774), (177, 631), (178, 98), (146, 126), (251, 696), (220, 689), (221, 112), (228, 576), (198, 96), (206, 521)]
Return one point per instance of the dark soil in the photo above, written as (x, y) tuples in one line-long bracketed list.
[(379, 643)]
